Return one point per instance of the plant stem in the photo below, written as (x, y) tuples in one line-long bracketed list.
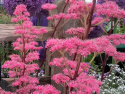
[(86, 5), (90, 19), (103, 29), (42, 62), (59, 20), (77, 67), (101, 21), (95, 54), (23, 57), (110, 32), (62, 53), (110, 70), (63, 24), (103, 69), (66, 88)]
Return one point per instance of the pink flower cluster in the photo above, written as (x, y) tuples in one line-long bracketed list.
[(59, 62), (74, 73), (65, 16), (85, 48), (21, 66), (47, 89), (21, 13), (98, 19), (79, 7), (60, 78), (74, 76), (49, 6), (110, 9), (85, 84), (117, 39), (70, 1), (76, 31), (75, 11), (20, 9)]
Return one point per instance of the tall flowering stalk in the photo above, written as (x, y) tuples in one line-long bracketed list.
[(22, 65), (75, 72)]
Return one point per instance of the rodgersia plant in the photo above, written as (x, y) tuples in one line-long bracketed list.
[(74, 77), (22, 65)]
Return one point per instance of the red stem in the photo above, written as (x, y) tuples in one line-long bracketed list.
[(24, 53), (66, 88), (103, 77), (86, 34), (42, 62), (111, 26), (109, 72), (103, 69), (90, 20), (85, 37), (23, 56), (59, 20)]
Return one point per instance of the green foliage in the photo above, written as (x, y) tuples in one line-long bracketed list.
[(116, 29), (122, 29), (1, 54), (88, 59), (4, 17), (6, 49), (119, 28)]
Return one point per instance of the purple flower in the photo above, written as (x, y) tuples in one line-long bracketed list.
[(97, 30), (43, 20), (105, 74), (41, 71), (124, 21), (33, 6), (98, 76), (1, 74), (34, 20)]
